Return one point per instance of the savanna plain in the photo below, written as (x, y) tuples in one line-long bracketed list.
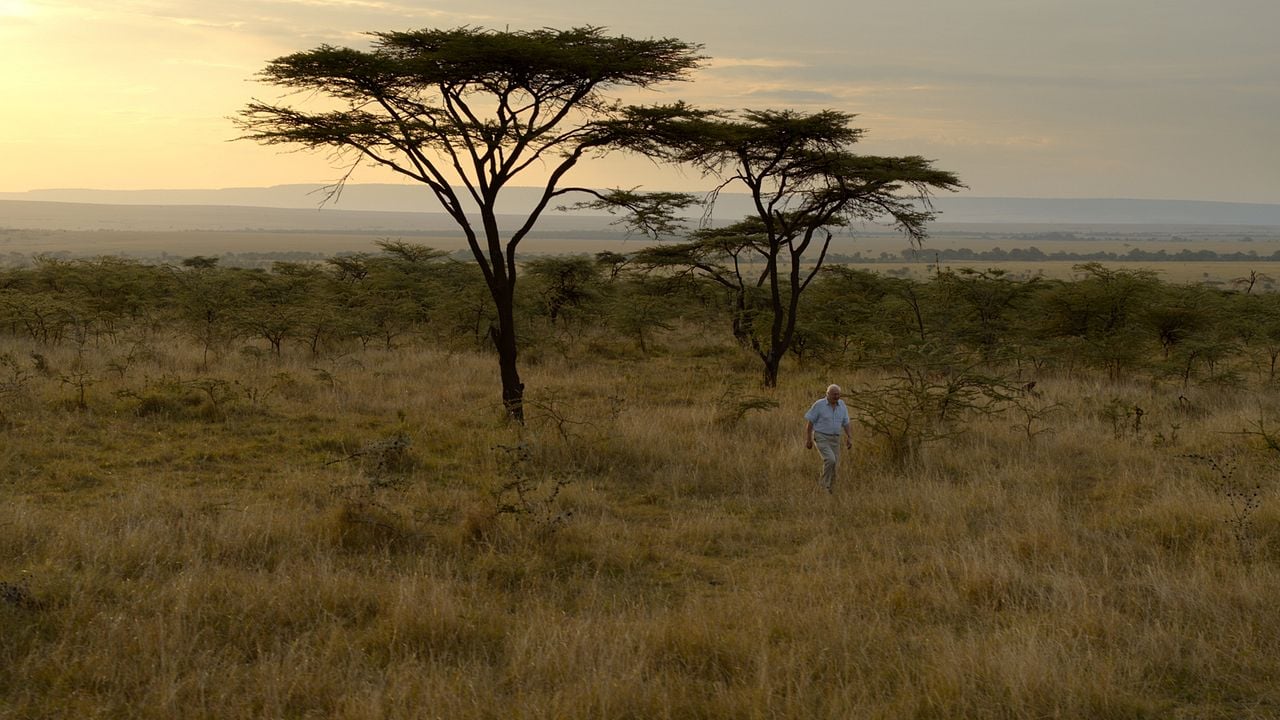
[(220, 504)]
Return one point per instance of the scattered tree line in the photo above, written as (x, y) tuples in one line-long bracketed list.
[(1121, 322), (1034, 254), (915, 254)]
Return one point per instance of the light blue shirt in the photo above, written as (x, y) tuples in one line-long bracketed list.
[(826, 419)]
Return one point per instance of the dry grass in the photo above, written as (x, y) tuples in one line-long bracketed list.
[(181, 553)]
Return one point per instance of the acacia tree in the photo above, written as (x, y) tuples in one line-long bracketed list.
[(717, 254), (478, 108), (1098, 317), (980, 308), (208, 301), (804, 182), (565, 284)]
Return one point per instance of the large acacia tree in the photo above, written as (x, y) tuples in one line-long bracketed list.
[(465, 112), (804, 182)]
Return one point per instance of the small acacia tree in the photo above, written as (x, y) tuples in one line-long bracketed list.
[(1098, 317), (804, 182), (465, 112), (980, 309)]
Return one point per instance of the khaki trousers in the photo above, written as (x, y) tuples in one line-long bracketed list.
[(829, 448)]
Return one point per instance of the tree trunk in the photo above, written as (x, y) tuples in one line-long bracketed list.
[(504, 339), (741, 320), (771, 363)]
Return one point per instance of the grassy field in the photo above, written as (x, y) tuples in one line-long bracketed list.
[(363, 536)]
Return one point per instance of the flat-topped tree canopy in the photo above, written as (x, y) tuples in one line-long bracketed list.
[(466, 110), (801, 169), (498, 99), (544, 60), (474, 106), (490, 59)]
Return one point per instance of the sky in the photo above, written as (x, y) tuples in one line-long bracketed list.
[(1164, 99)]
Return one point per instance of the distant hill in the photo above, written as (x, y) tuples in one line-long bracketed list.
[(35, 215), (410, 208)]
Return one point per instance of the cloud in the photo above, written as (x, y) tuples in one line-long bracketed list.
[(721, 63), (206, 23), (792, 96), (1012, 141), (363, 4), (300, 22), (918, 128), (211, 64)]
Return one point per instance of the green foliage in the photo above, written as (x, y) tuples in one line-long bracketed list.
[(853, 316), (208, 302), (1098, 318), (981, 308), (805, 182), (735, 405), (115, 314), (927, 399), (652, 214), (565, 286), (1255, 319), (643, 305)]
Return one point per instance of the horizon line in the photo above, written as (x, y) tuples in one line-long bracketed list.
[(934, 198)]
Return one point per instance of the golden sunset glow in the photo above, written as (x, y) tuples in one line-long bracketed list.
[(1149, 98), (15, 8)]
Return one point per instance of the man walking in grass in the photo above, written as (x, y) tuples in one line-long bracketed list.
[(824, 423)]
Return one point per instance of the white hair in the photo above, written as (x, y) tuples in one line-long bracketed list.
[(833, 386)]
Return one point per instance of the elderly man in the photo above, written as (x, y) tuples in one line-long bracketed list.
[(824, 423)]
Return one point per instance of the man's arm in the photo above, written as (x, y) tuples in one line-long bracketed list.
[(808, 435)]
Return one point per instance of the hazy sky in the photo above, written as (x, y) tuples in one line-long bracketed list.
[(1174, 99)]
